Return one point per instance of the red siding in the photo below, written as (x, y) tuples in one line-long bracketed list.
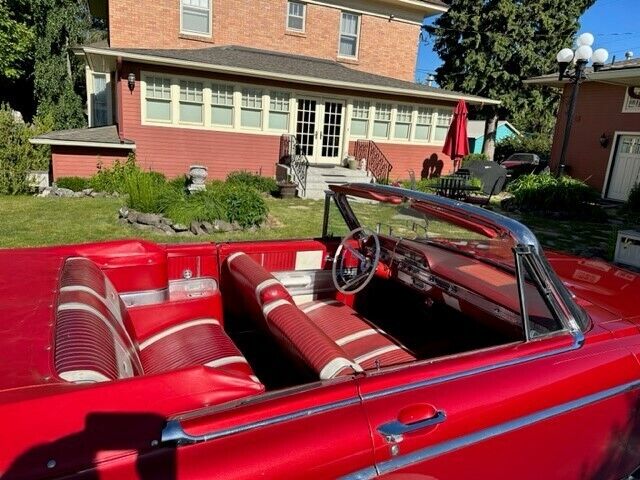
[(598, 111), (82, 162), (425, 160)]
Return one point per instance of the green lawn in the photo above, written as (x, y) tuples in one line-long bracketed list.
[(30, 221)]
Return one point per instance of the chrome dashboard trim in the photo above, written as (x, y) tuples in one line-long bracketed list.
[(448, 446)]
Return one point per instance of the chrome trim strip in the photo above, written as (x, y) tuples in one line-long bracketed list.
[(490, 432), (173, 432), (578, 340), (145, 297)]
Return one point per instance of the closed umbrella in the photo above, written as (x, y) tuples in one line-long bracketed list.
[(456, 145)]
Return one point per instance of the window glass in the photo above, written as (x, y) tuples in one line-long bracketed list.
[(158, 98), (222, 105), (191, 101), (631, 104), (251, 112), (295, 16), (100, 100), (195, 16), (423, 123), (382, 120), (349, 31), (403, 122), (360, 119), (443, 122), (279, 111)]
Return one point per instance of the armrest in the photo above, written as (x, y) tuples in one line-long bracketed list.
[(147, 320)]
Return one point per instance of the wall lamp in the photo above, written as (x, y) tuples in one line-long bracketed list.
[(131, 81), (604, 140)]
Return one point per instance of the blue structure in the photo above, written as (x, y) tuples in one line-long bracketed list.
[(475, 132)]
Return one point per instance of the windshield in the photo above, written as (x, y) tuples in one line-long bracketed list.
[(414, 221)]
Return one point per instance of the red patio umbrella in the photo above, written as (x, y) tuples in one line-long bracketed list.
[(456, 145)]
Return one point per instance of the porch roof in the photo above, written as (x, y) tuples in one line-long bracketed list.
[(100, 137), (625, 72), (281, 66)]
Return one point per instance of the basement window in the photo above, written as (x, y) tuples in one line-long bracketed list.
[(195, 17)]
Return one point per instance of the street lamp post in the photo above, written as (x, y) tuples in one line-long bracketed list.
[(580, 58)]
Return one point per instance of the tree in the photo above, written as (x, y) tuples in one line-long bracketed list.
[(16, 43), (488, 47)]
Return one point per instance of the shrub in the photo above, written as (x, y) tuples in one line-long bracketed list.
[(149, 192), (539, 144), (17, 155), (248, 179), (633, 202), (422, 185), (114, 179), (243, 205), (472, 157), (76, 184), (548, 193), (178, 183)]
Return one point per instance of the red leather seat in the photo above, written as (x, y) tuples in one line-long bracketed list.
[(329, 337), (94, 339)]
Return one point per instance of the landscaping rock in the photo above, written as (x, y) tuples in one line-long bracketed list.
[(141, 226), (207, 227), (149, 219), (222, 226), (179, 227), (87, 192), (98, 194), (123, 212), (132, 216), (46, 192), (195, 228), (63, 192), (166, 229)]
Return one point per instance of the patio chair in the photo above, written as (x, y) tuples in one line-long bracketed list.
[(483, 200), (451, 187)]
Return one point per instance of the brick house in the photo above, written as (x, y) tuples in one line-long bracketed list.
[(604, 146), (228, 83)]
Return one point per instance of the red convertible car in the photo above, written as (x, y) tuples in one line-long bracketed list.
[(417, 338)]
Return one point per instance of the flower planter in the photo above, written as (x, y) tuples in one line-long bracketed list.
[(287, 190)]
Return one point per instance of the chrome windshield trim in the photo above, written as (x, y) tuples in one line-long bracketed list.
[(442, 448), (174, 433), (578, 340)]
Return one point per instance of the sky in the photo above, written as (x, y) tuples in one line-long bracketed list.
[(614, 23)]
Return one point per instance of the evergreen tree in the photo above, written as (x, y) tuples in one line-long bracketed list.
[(489, 46)]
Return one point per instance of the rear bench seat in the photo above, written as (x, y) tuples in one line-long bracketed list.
[(328, 336), (95, 339)]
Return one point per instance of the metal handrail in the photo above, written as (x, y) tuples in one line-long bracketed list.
[(378, 165), (290, 154)]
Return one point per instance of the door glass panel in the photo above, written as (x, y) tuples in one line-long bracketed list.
[(306, 126), (332, 129)]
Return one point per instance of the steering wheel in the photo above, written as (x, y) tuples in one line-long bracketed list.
[(363, 261)]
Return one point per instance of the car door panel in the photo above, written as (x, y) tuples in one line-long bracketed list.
[(501, 415)]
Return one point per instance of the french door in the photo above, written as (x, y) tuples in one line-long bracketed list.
[(626, 167), (319, 129)]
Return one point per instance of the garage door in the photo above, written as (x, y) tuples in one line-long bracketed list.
[(626, 167)]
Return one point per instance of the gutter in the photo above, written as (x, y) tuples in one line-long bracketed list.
[(172, 62), (72, 143)]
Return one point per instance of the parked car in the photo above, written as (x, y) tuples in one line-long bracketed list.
[(418, 337), (518, 164)]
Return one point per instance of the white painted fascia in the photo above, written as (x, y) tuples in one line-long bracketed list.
[(71, 143), (171, 62)]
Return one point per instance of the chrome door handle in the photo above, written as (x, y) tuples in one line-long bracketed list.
[(396, 428)]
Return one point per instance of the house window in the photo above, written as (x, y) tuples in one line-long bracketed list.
[(349, 31), (195, 16), (100, 100), (279, 111), (296, 12), (403, 122), (251, 112), (360, 119), (382, 120), (191, 102), (631, 105), (424, 123), (442, 124), (222, 105), (158, 98)]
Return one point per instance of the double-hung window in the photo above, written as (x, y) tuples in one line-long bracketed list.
[(195, 17), (279, 111), (443, 123), (403, 122), (631, 105), (424, 123), (158, 99), (100, 100), (382, 120), (222, 105), (360, 119), (296, 12), (349, 33), (251, 108), (191, 102)]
